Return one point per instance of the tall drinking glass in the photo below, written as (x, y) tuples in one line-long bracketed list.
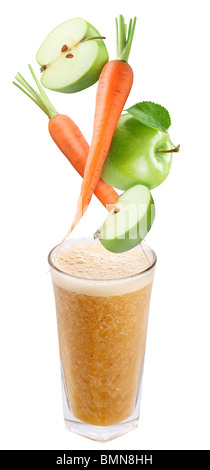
[(102, 328)]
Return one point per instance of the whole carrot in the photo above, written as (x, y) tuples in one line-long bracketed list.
[(67, 137), (114, 86)]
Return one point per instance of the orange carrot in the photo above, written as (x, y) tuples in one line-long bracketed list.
[(67, 137), (114, 86)]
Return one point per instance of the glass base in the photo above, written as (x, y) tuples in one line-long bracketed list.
[(100, 433)]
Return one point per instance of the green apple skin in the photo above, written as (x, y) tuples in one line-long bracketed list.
[(91, 76), (132, 157), (132, 235)]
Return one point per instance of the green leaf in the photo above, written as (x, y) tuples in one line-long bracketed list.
[(151, 114)]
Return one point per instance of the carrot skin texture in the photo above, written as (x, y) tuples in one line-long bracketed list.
[(69, 139), (114, 86)]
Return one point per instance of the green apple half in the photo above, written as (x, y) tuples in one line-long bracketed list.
[(135, 155), (69, 60), (129, 221)]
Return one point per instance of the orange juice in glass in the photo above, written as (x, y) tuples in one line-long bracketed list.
[(102, 304)]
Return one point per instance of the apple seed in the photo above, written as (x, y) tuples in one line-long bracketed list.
[(64, 48)]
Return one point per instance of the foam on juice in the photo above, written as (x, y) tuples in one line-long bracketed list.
[(88, 268)]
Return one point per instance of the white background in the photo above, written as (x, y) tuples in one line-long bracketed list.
[(39, 190)]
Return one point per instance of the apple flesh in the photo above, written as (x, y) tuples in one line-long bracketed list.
[(129, 221), (69, 61), (133, 157)]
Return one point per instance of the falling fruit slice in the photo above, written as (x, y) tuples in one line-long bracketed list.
[(129, 221), (72, 56)]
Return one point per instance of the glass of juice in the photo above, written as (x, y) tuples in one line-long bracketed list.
[(102, 304)]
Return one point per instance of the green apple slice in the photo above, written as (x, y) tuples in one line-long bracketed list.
[(70, 60), (129, 221)]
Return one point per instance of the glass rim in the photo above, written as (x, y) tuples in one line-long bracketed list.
[(84, 239)]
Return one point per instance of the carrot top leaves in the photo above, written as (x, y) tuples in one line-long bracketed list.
[(124, 39), (41, 99)]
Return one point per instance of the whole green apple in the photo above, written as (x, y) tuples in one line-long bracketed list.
[(135, 155)]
